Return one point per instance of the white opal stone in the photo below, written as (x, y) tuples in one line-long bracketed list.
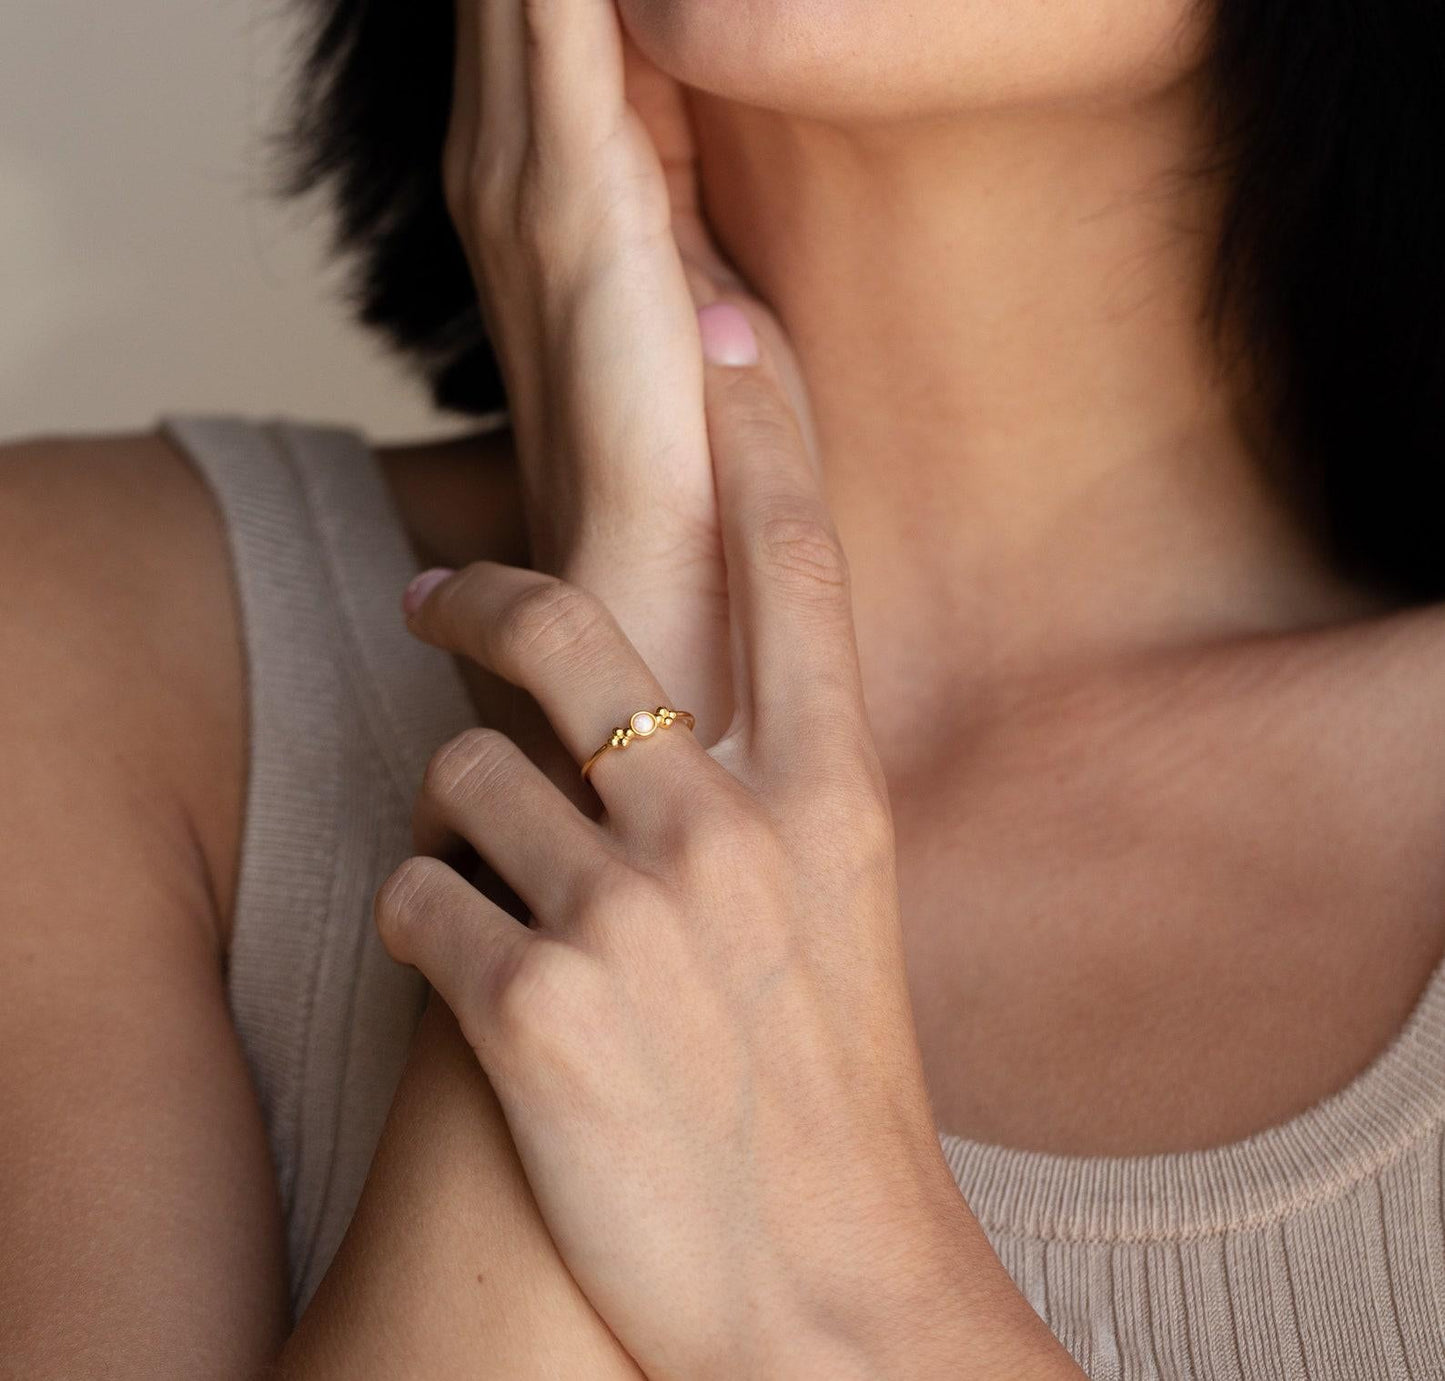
[(644, 723)]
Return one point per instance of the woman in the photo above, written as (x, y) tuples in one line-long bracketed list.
[(1075, 843)]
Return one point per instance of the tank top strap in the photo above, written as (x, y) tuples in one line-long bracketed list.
[(345, 707), (297, 495)]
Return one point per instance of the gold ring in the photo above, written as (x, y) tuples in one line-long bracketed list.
[(643, 724)]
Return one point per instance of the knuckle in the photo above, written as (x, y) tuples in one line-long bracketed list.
[(401, 902), (490, 199), (531, 200), (480, 188), (457, 187), (615, 893), (538, 222), (465, 182), (469, 764), (550, 619), (727, 834), (856, 809), (848, 805), (544, 995), (801, 548), (761, 420), (542, 18)]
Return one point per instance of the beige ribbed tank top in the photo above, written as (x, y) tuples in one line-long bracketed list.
[(1314, 1249)]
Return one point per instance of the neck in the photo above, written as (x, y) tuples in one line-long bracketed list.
[(998, 319)]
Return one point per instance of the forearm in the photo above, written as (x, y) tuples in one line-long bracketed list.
[(447, 1269)]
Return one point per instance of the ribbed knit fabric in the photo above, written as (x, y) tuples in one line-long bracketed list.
[(345, 709), (1315, 1249)]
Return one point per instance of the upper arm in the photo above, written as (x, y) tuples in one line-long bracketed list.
[(139, 1228)]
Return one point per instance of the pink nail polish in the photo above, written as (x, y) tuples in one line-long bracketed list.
[(421, 586), (727, 334)]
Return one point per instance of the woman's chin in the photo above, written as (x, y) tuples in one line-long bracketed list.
[(710, 44), (858, 61), (761, 53)]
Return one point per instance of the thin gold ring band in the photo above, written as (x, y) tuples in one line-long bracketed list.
[(643, 724)]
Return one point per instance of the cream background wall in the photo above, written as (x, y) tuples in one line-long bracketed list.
[(144, 266)]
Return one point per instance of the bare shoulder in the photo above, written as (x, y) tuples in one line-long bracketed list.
[(120, 756), (1355, 723), (1396, 660), (1366, 696), (120, 640), (1409, 678), (1426, 624)]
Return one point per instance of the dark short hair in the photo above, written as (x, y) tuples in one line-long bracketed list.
[(1330, 265)]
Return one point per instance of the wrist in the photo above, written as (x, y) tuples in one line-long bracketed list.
[(935, 1303), (937, 1337)]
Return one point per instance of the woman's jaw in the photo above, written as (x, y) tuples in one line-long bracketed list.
[(860, 62)]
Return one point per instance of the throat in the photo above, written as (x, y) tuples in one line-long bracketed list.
[(1030, 442)]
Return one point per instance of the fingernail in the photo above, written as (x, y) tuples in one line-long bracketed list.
[(727, 334), (421, 586)]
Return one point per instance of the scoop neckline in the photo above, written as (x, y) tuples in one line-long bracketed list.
[(1315, 1155)]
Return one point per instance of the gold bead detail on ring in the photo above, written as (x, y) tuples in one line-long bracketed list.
[(643, 724)]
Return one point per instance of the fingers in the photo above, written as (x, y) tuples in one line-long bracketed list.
[(542, 75), (561, 644), (481, 787), (575, 74), (489, 125), (501, 61), (468, 948), (795, 653)]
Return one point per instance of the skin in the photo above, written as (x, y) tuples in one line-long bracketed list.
[(1139, 679), (1005, 366), (709, 958), (446, 1181), (577, 222)]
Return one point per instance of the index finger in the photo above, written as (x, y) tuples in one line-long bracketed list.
[(575, 75), (795, 655)]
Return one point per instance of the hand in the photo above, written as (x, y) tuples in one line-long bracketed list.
[(704, 1047), (570, 173)]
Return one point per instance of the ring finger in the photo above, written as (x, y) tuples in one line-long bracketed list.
[(562, 645)]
